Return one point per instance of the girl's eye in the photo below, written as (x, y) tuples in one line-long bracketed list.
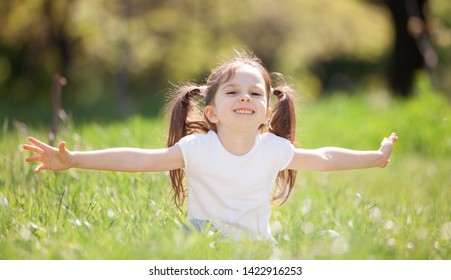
[(231, 92), (256, 94)]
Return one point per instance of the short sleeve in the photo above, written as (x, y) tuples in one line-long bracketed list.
[(287, 154), (280, 149), (188, 146)]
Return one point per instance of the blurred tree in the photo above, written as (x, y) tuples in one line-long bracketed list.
[(36, 44), (412, 49), (57, 13), (121, 72), (121, 52)]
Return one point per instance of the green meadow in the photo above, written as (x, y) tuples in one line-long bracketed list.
[(399, 212)]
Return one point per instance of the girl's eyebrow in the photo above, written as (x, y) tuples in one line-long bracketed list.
[(237, 86), (229, 85)]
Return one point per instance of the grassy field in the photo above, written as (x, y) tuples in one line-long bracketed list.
[(400, 212)]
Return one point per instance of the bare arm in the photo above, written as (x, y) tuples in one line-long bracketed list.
[(115, 159), (331, 158)]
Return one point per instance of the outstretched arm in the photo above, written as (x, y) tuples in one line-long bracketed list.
[(331, 158), (115, 159)]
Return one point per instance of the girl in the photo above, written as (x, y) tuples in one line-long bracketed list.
[(231, 155)]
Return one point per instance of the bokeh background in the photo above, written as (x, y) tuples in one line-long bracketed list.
[(120, 57), (361, 68)]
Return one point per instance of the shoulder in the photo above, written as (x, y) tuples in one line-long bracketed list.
[(196, 140), (271, 138), (195, 137)]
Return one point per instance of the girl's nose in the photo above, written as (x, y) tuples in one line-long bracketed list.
[(245, 98)]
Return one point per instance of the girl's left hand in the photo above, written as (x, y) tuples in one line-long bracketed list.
[(386, 148)]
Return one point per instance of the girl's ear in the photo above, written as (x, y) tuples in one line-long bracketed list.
[(210, 113)]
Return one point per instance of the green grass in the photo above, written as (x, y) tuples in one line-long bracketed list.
[(400, 212)]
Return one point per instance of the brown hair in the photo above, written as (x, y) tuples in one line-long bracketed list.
[(186, 117)]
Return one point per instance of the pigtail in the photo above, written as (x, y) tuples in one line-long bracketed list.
[(184, 119), (283, 124), (283, 121)]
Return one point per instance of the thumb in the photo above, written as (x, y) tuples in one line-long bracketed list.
[(39, 168), (394, 137), (62, 147)]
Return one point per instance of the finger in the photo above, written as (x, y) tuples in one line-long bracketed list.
[(33, 148), (39, 168), (62, 146), (34, 158), (394, 137), (37, 142)]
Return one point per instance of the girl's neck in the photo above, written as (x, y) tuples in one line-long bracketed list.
[(238, 142)]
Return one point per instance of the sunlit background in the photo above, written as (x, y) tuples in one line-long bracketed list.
[(120, 57)]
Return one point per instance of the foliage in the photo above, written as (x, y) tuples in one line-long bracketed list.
[(135, 47), (400, 212)]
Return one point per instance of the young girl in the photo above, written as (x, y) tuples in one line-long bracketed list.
[(237, 157)]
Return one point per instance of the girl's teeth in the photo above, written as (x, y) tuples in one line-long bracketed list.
[(243, 111)]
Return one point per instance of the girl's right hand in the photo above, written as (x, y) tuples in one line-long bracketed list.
[(50, 157)]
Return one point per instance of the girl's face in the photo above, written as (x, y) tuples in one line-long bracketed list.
[(241, 102)]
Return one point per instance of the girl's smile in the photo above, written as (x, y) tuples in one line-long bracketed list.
[(244, 111)]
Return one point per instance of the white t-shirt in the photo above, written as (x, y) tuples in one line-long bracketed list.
[(233, 192)]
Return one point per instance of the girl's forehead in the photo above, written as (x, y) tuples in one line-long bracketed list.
[(246, 74)]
